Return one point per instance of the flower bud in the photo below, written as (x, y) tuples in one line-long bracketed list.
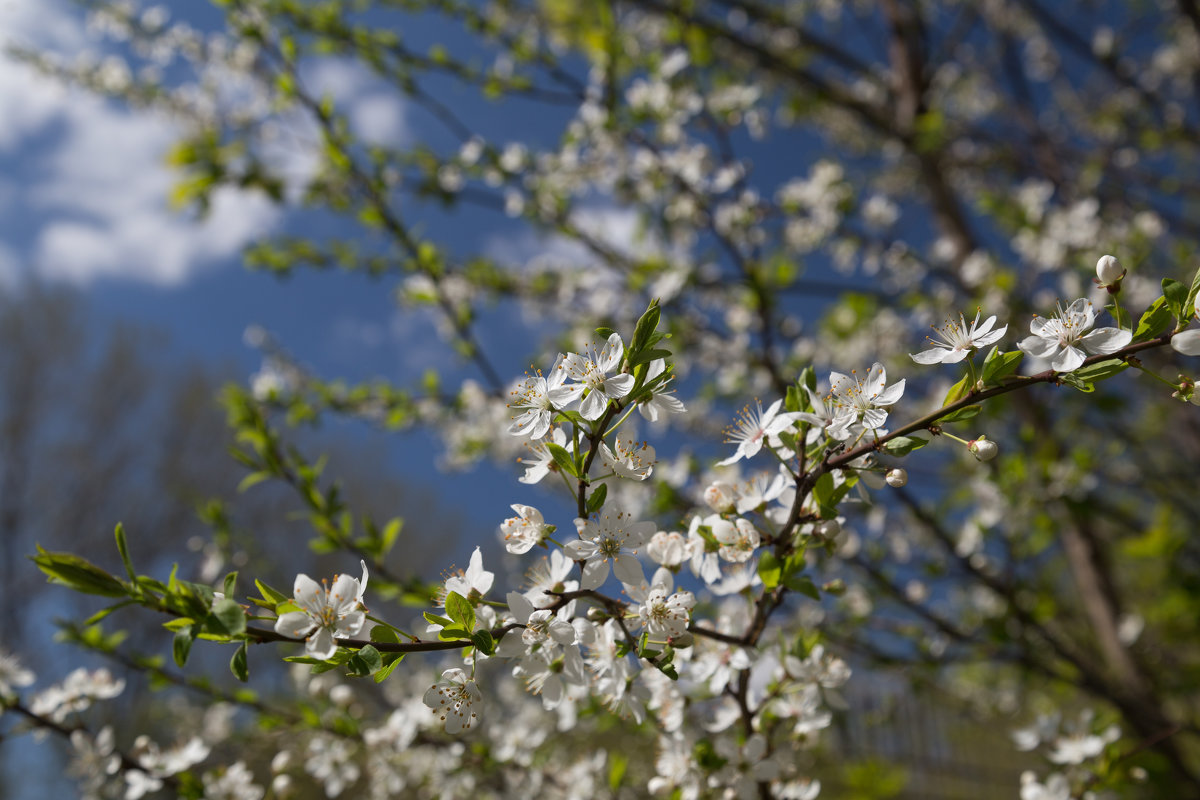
[(896, 477), (828, 529), (983, 448), (1109, 271), (682, 641), (720, 497)]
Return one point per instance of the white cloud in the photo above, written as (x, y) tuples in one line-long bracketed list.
[(375, 113), (101, 190)]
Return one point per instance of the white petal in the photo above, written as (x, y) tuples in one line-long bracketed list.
[(593, 405), (1103, 341), (520, 607), (294, 623), (308, 594), (876, 378), (344, 594), (580, 549), (1069, 359), (321, 645), (618, 385), (954, 356), (610, 354), (1187, 342), (874, 418), (595, 573), (1037, 347), (891, 394), (628, 569), (934, 355)]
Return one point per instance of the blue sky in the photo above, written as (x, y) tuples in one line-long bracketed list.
[(84, 202)]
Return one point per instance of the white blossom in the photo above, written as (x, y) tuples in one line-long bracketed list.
[(1067, 338)]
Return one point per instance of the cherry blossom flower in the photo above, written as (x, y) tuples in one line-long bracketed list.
[(455, 700), (720, 497), (76, 693), (739, 539), (1065, 337), (474, 583), (524, 531), (628, 459), (608, 538), (591, 370), (325, 613), (1188, 342), (661, 400), (550, 677), (668, 549), (752, 427), (864, 401), (664, 613), (957, 340), (541, 397), (12, 674), (542, 463)]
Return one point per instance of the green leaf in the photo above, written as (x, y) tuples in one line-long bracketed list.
[(1177, 294), (794, 401), (958, 391), (434, 619), (181, 645), (562, 458), (646, 325), (227, 618), (823, 488), (596, 499), (998, 366), (770, 569), (1071, 379), (252, 479), (966, 412), (459, 610), (230, 584), (238, 665), (646, 356), (391, 661), (123, 549), (484, 642), (604, 333), (1190, 302), (1154, 321), (270, 595), (79, 574), (903, 445), (616, 770), (804, 585), (366, 661), (1101, 370)]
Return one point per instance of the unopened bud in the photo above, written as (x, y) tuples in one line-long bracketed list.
[(896, 477), (720, 497), (829, 529), (682, 641), (1110, 272), (836, 587), (983, 448)]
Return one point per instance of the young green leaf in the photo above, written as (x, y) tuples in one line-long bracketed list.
[(238, 665), (460, 610), (596, 499), (1154, 321)]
